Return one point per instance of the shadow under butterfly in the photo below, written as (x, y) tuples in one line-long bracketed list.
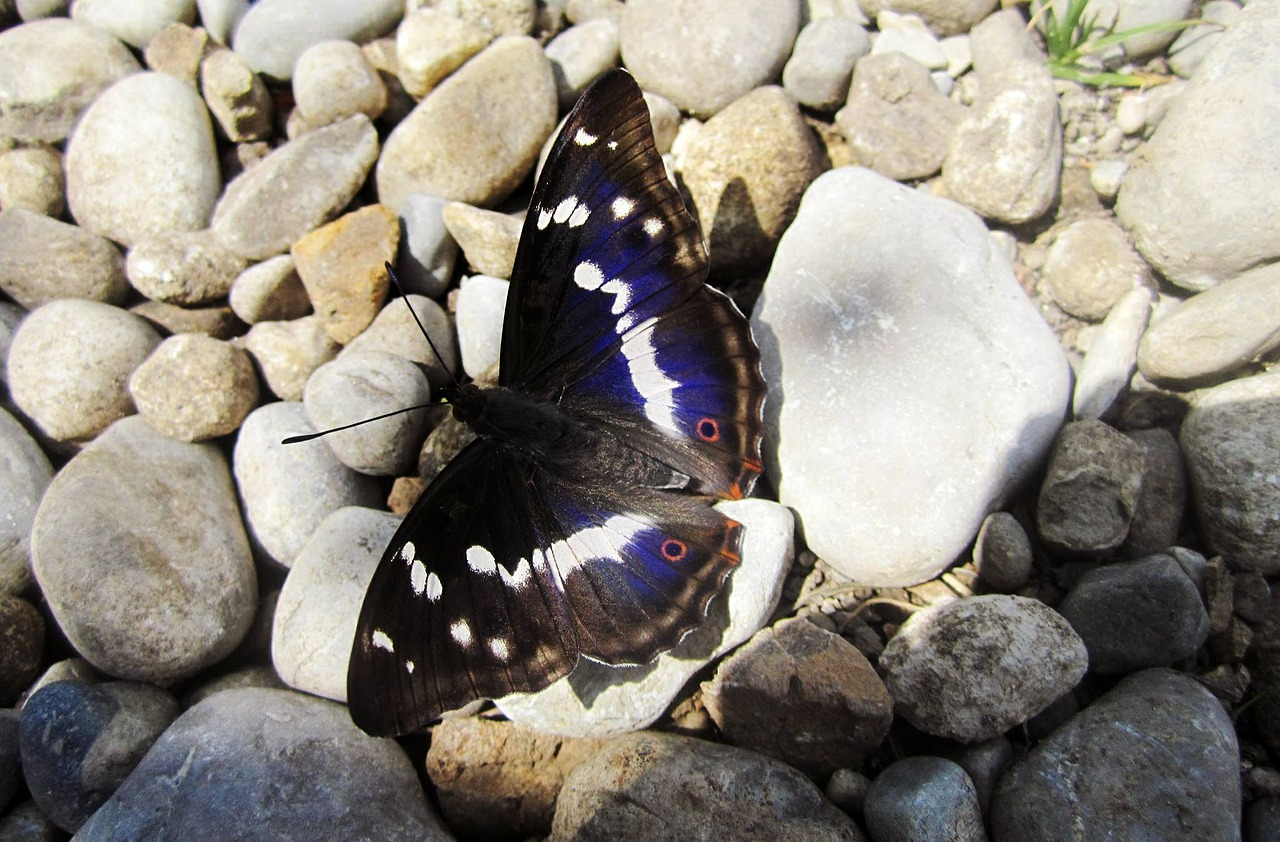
[(579, 523)]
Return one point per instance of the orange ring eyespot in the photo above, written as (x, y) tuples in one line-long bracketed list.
[(708, 429), (673, 550)]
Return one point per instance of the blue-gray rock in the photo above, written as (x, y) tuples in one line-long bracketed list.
[(1157, 749), (132, 22), (818, 73), (50, 71), (679, 51), (651, 785), (427, 249), (1192, 215), (920, 798), (80, 741), (985, 763), (273, 34), (288, 489), (42, 259), (139, 550), (27, 475), (1002, 553), (1158, 518), (268, 764), (142, 160), (871, 280)]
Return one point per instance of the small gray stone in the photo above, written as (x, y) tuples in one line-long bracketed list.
[(194, 387), (482, 302), (488, 239), (847, 789), (42, 259), (923, 798), (237, 98), (113, 547), (1091, 489), (580, 11), (579, 55), (216, 320), (660, 786), (1231, 438), (1112, 357), (27, 475), (665, 118), (476, 136), (10, 316), (500, 17), (316, 615), (985, 763), (895, 118), (26, 823), (396, 331), (428, 251), (31, 178), (50, 71), (972, 669), (80, 741), (287, 489), (677, 51), (1158, 518), (182, 267), (1157, 748), (821, 65), (245, 747), (431, 44), (68, 669), (296, 188), (70, 362), (287, 353), (126, 183), (263, 676), (270, 291), (907, 34), (1002, 553), (836, 707), (363, 385), (333, 80), (273, 34)]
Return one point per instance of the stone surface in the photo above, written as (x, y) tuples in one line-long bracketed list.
[(923, 798), (427, 251), (270, 291), (132, 22), (1158, 517), (943, 16), (120, 579), (31, 177), (431, 44), (22, 635), (216, 320), (1091, 489), (194, 387), (42, 259), (178, 50), (27, 474), (333, 80), (821, 65), (1091, 266), (481, 305), (396, 331), (287, 353), (870, 279), (972, 669), (1112, 357), (488, 239), (579, 55), (182, 267), (273, 34), (238, 99), (1002, 553)]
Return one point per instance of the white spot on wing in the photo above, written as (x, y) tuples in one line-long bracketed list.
[(418, 576), (381, 640), (579, 215), (646, 376), (653, 226), (408, 552), (409, 667), (518, 579), (499, 648), (588, 275), (621, 207), (481, 561), (594, 542), (564, 209), (613, 145), (435, 588), (461, 632), (544, 218), (584, 138)]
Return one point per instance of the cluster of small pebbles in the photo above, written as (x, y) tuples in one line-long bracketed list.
[(1009, 574)]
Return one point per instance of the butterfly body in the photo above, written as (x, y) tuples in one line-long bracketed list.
[(579, 523)]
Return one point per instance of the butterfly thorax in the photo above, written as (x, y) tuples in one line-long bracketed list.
[(520, 421)]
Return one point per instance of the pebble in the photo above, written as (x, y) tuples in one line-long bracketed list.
[(972, 669), (298, 187), (579, 55), (286, 490), (1002, 553), (746, 170), (132, 22), (482, 302), (50, 72), (315, 618), (985, 763), (476, 136), (923, 798), (945, 17), (847, 789), (678, 52), (396, 331), (216, 320), (1090, 266), (270, 291), (27, 475), (1191, 46), (907, 34), (1261, 819), (343, 268), (119, 579), (428, 251), (795, 672), (581, 11), (1131, 113), (42, 259), (1215, 334), (1137, 614), (821, 65), (194, 387), (597, 700), (1145, 44), (237, 745), (431, 44), (80, 741), (1091, 489), (362, 385), (182, 267), (652, 785), (10, 316), (959, 52), (1000, 40), (22, 630), (666, 119), (1107, 177), (70, 362), (1158, 747), (31, 178), (237, 98), (333, 80), (1112, 357), (842, 305), (488, 239), (25, 823), (1158, 518), (221, 17), (896, 120), (273, 34), (1004, 159), (1191, 214), (115, 187), (1231, 438), (10, 761), (178, 50)]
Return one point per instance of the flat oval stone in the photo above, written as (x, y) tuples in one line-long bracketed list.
[(142, 161), (132, 22), (140, 552), (27, 475), (50, 71), (273, 34), (42, 259), (476, 136)]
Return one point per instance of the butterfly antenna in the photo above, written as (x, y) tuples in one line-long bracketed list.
[(391, 273), (310, 436)]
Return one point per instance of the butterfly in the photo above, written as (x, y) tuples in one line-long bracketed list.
[(579, 523)]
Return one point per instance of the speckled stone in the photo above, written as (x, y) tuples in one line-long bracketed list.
[(194, 387)]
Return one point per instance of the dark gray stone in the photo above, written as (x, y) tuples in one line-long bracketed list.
[(920, 798), (1090, 490)]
